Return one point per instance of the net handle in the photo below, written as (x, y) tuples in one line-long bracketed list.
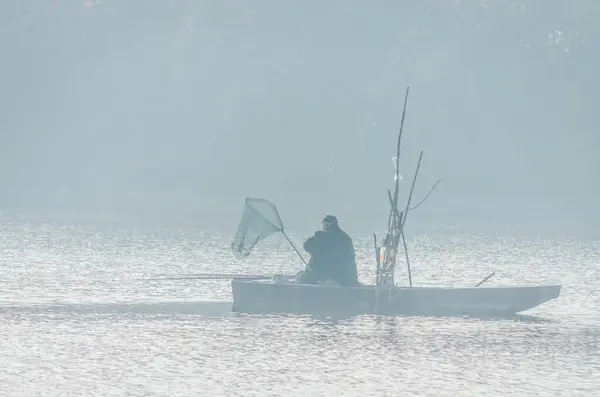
[(295, 249)]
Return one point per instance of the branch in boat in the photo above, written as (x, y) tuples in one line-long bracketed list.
[(412, 187), (427, 196), (398, 144), (407, 261)]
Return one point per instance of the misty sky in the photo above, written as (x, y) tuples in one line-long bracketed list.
[(190, 106)]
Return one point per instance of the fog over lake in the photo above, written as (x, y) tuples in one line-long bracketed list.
[(176, 111)]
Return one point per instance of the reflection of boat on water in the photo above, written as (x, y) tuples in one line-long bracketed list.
[(282, 294)]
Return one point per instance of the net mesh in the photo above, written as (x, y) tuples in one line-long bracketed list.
[(259, 220)]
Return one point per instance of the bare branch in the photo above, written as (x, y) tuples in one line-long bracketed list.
[(427, 196)]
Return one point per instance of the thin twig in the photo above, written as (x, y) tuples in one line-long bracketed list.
[(427, 196), (407, 261), (412, 187)]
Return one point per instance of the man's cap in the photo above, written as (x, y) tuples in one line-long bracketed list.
[(329, 219)]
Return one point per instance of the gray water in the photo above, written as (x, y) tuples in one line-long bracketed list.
[(76, 319)]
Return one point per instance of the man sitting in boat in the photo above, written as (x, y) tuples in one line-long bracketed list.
[(332, 256)]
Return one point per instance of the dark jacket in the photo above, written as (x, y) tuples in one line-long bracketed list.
[(332, 256)]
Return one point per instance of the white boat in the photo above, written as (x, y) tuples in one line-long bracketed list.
[(285, 296)]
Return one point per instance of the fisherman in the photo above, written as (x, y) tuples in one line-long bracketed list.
[(332, 256)]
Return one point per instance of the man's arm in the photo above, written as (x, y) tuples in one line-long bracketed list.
[(314, 243)]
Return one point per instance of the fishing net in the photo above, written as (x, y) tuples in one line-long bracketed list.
[(259, 220)]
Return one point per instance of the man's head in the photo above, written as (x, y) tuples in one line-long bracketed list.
[(329, 222)]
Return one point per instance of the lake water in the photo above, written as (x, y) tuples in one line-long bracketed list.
[(77, 319)]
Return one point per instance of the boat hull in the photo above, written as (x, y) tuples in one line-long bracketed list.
[(254, 296)]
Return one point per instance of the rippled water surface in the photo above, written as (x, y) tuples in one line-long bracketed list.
[(77, 319)]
